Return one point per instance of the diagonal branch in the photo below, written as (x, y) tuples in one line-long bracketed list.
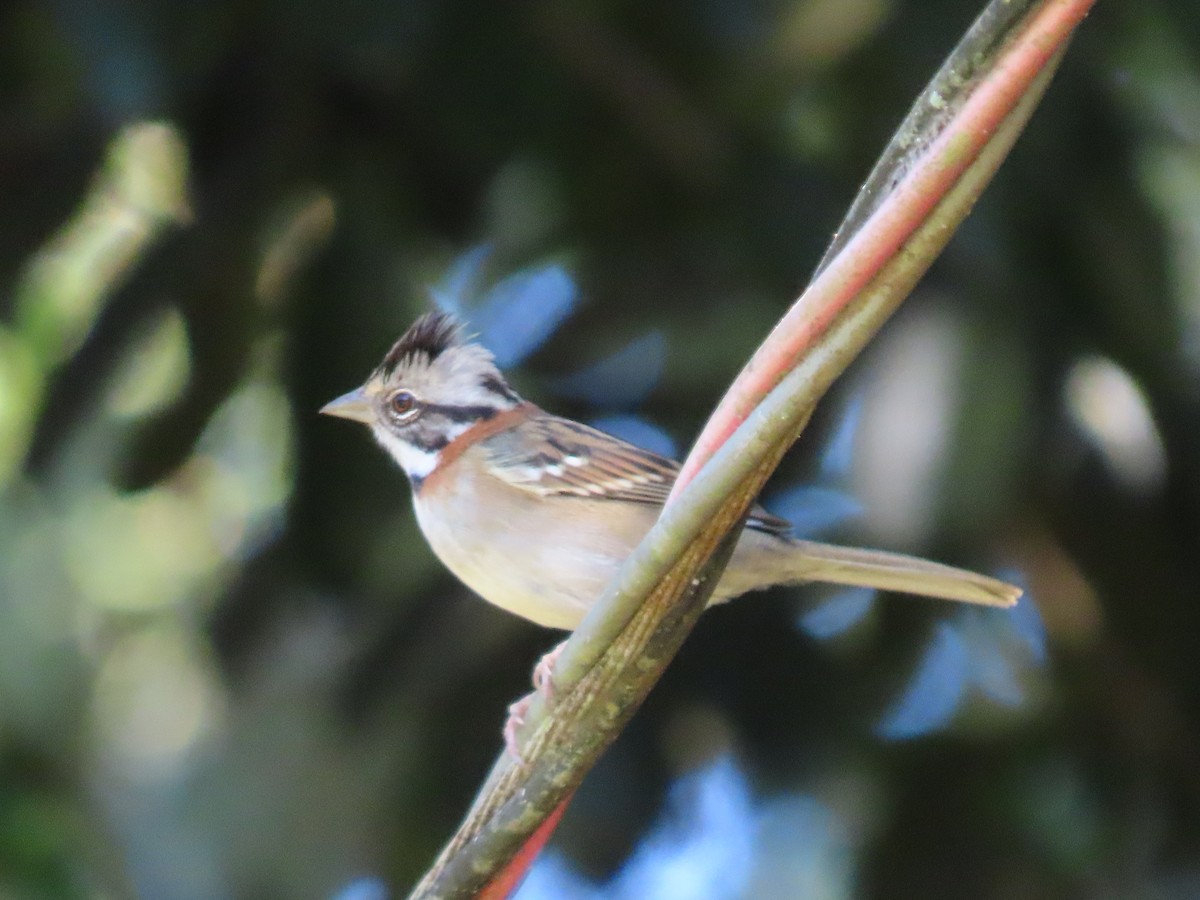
[(958, 115), (621, 648)]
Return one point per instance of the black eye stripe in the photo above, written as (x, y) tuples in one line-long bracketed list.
[(419, 408), (460, 413), (429, 444)]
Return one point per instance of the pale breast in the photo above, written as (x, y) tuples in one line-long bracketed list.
[(548, 559), (544, 559)]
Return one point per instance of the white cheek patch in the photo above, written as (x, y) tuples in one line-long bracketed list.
[(417, 463)]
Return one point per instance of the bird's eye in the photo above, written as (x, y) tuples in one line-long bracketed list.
[(403, 403)]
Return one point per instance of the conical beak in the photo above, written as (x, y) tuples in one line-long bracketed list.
[(354, 405)]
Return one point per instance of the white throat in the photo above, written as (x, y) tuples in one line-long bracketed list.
[(417, 462)]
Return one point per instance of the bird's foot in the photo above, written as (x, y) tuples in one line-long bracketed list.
[(516, 718), (543, 672), (543, 684)]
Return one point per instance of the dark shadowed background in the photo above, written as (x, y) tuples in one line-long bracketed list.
[(229, 665)]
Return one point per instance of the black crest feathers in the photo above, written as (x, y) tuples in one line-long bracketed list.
[(428, 337)]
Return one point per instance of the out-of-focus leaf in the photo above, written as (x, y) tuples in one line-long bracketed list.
[(366, 888), (523, 310), (515, 316), (995, 673), (704, 847), (985, 649), (638, 432), (553, 878), (1026, 621), (838, 614), (813, 510), (936, 689), (717, 841), (839, 451), (620, 380), (462, 281)]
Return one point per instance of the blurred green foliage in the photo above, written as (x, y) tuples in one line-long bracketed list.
[(230, 667)]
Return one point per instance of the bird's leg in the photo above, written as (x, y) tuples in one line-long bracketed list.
[(543, 683), (543, 672), (516, 718)]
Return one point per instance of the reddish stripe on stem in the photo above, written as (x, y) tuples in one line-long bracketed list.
[(511, 875), (882, 236), (954, 150)]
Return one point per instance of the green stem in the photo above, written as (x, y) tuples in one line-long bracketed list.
[(626, 641)]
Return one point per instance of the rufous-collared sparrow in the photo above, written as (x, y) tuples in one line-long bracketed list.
[(535, 513)]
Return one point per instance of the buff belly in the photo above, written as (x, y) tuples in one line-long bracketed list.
[(548, 560)]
